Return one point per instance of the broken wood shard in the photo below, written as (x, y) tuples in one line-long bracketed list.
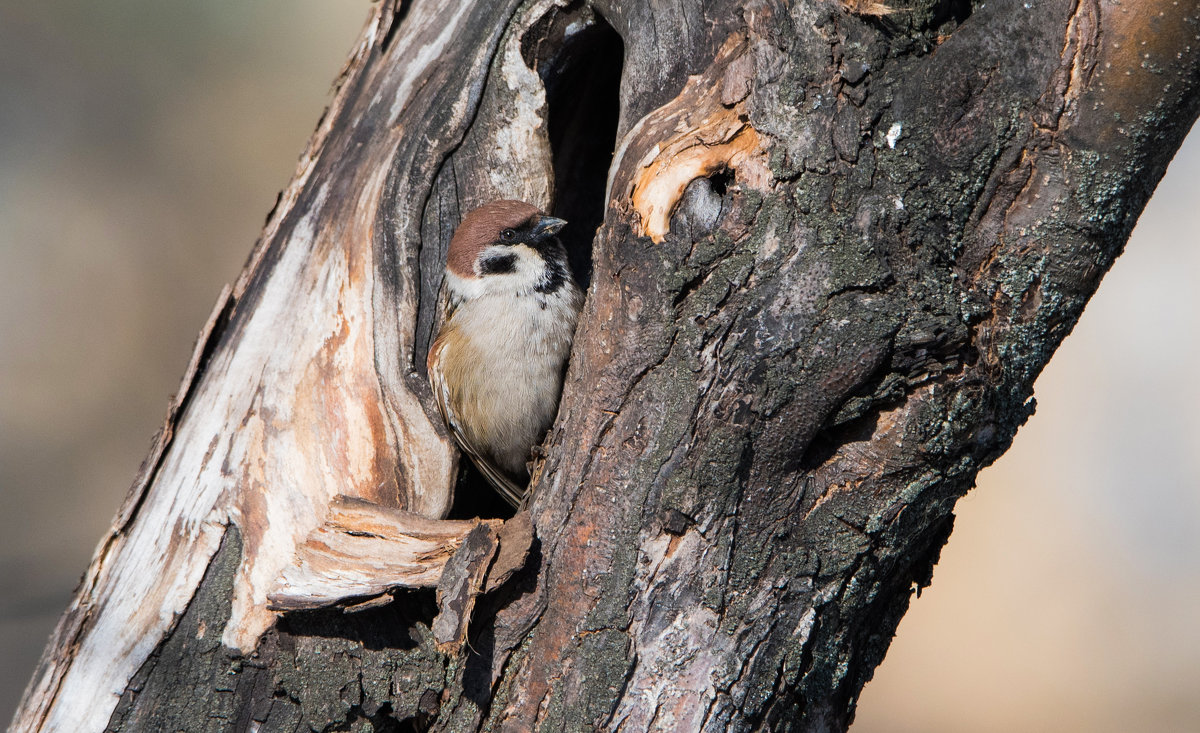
[(516, 541), (488, 557), (364, 550), (461, 583)]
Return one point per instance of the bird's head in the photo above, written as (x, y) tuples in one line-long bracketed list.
[(505, 246)]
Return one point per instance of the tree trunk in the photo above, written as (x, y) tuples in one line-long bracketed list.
[(829, 244)]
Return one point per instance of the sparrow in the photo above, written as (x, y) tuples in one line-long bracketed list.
[(509, 310)]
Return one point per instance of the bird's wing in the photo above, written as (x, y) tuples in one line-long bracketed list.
[(499, 480)]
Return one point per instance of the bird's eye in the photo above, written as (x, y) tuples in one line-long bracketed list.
[(508, 235)]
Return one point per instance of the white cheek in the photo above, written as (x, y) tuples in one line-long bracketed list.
[(464, 287)]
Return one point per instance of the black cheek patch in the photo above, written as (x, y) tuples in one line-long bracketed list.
[(498, 265)]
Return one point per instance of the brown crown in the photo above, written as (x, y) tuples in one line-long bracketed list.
[(481, 228)]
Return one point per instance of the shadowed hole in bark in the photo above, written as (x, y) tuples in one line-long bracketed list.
[(475, 497), (719, 181), (951, 11), (827, 441), (579, 58), (904, 17), (388, 627), (856, 419)]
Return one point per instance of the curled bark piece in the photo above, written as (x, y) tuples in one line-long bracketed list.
[(700, 133), (489, 556), (516, 540)]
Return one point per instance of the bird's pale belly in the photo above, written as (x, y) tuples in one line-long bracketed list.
[(513, 381)]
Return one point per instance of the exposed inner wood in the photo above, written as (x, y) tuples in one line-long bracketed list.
[(705, 130)]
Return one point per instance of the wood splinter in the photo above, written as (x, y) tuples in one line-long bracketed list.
[(364, 550), (487, 557)]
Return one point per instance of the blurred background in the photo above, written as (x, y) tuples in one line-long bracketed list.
[(141, 146)]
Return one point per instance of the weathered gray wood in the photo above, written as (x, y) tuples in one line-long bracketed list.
[(839, 242)]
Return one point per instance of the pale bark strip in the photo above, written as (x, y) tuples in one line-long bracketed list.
[(285, 414)]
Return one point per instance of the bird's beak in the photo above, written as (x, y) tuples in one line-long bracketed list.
[(548, 225)]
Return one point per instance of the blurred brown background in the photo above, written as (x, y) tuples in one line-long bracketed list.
[(141, 146)]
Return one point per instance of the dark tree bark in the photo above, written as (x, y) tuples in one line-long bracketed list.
[(829, 244)]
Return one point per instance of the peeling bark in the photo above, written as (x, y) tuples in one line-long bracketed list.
[(830, 245)]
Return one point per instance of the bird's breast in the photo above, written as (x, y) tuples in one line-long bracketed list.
[(502, 360)]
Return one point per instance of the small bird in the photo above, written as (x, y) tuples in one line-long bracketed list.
[(497, 364)]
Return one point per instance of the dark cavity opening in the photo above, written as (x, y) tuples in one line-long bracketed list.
[(475, 497), (720, 181), (942, 18), (952, 11), (579, 58)]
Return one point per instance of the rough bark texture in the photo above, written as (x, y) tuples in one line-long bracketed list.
[(837, 242)]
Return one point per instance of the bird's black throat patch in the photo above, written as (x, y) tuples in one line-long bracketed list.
[(556, 272)]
